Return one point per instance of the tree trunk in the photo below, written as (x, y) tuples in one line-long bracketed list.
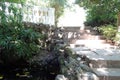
[(118, 31), (118, 22)]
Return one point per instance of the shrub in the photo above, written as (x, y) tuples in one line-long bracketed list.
[(108, 31), (16, 40)]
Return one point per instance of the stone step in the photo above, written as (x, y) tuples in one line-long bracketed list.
[(105, 63), (101, 58), (109, 61), (105, 59), (90, 37), (108, 73), (103, 74), (85, 36), (92, 43)]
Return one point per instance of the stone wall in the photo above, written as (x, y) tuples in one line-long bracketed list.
[(71, 33)]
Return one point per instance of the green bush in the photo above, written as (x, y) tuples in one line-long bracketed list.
[(108, 31), (16, 40)]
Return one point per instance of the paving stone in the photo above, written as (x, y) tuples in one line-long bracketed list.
[(103, 64), (109, 61), (105, 58), (80, 49), (111, 57), (108, 73), (106, 51)]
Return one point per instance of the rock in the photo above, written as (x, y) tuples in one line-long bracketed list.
[(60, 77), (88, 76)]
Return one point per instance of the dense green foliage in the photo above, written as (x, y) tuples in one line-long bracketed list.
[(108, 32), (98, 16), (100, 12), (16, 40), (103, 13)]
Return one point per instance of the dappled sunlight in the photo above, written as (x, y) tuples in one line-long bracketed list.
[(106, 72), (103, 71), (59, 39), (92, 43), (98, 58)]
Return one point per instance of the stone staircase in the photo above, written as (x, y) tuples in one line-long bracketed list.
[(105, 62), (90, 37), (105, 58)]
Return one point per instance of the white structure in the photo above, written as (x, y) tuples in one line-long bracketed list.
[(35, 14), (75, 17)]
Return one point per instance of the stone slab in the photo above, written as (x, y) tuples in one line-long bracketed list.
[(108, 73), (103, 74), (101, 58), (103, 64)]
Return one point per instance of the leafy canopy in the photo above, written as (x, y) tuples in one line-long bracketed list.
[(101, 11)]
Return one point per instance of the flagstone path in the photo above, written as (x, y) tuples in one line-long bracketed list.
[(105, 58)]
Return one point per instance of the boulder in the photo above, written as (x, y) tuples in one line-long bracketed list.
[(60, 77)]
